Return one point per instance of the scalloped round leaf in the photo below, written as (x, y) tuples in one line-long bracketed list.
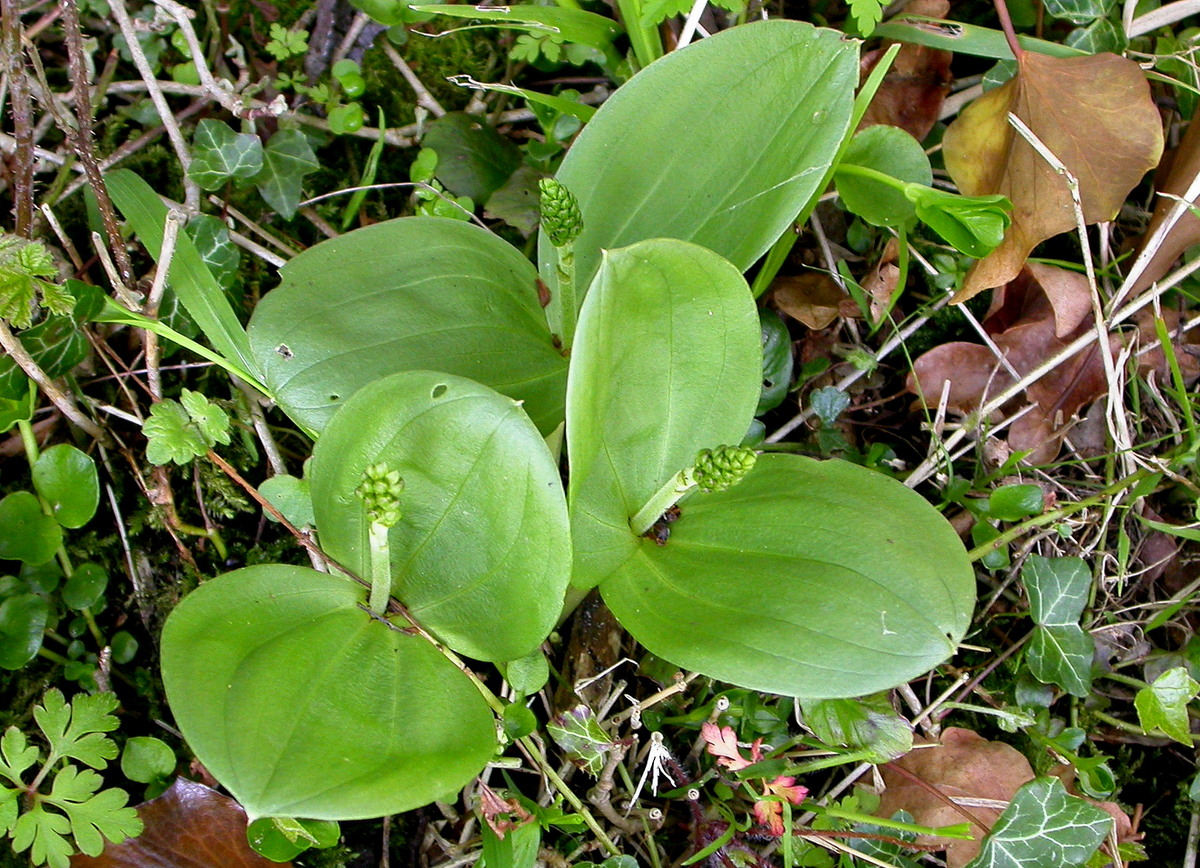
[(721, 143), (67, 479), (406, 294), (667, 361), (481, 555), (810, 578), (26, 533), (304, 705)]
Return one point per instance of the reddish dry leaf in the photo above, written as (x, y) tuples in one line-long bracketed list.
[(499, 813), (964, 765), (1095, 114), (812, 298), (912, 91), (188, 826), (722, 743), (1031, 319), (1179, 175)]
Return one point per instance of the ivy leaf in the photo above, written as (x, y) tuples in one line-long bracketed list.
[(1163, 705), (220, 254), (1044, 825), (218, 154), (287, 159), (180, 432), (580, 736), (869, 723), (1060, 652)]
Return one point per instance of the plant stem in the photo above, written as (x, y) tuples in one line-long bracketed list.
[(380, 570), (873, 174), (645, 41), (1010, 33), (662, 500), (1118, 723), (1055, 515), (568, 306)]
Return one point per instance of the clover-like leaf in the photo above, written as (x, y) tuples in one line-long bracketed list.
[(1060, 652), (1044, 825), (287, 159), (182, 430), (219, 154), (1163, 705)]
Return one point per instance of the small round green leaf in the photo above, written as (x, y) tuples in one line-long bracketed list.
[(304, 705), (1015, 502), (85, 587), (26, 533), (291, 496), (893, 152), (145, 759), (124, 647), (519, 721), (66, 478), (267, 840), (529, 674), (810, 578), (22, 623), (481, 555)]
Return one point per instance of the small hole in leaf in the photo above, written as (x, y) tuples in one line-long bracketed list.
[(333, 398), (438, 390)]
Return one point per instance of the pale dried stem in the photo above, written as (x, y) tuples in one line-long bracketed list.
[(424, 98), (64, 240), (155, 92), (171, 226)]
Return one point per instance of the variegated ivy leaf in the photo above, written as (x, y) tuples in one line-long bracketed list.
[(286, 160), (1044, 825), (1060, 652), (582, 738), (219, 154)]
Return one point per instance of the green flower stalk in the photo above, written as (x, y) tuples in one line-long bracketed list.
[(713, 470), (562, 222), (380, 493)]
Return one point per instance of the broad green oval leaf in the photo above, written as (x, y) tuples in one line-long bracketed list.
[(721, 143), (303, 705), (1044, 825), (66, 479), (145, 759), (893, 152), (810, 578), (22, 623), (667, 361), (26, 533), (407, 294), (481, 555)]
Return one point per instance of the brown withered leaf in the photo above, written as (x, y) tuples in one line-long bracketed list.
[(1094, 113), (1183, 169), (964, 765), (813, 298), (912, 91), (1031, 318), (188, 826), (967, 766)]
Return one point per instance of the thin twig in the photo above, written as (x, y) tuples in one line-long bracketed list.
[(81, 136), (171, 226), (21, 108), (424, 98), (64, 402)]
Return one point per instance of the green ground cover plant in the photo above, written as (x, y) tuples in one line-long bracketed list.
[(592, 421)]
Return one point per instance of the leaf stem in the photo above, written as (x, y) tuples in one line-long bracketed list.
[(662, 500), (380, 568), (1010, 34), (567, 304)]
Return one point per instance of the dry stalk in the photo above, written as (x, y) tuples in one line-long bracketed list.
[(21, 108)]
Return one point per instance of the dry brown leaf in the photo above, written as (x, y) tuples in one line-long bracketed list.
[(1184, 167), (1095, 114), (812, 298), (964, 765), (188, 826), (1031, 319), (912, 91)]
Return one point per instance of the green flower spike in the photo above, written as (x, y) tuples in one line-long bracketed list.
[(723, 467), (714, 470), (380, 493), (561, 218)]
